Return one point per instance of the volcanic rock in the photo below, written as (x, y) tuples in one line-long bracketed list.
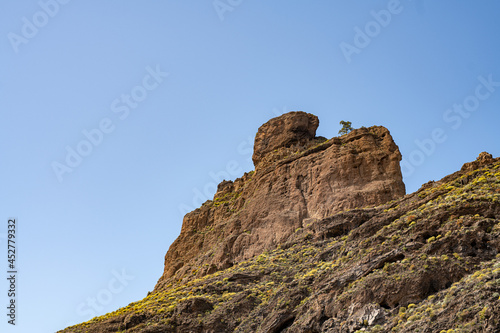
[(293, 128), (298, 176), (321, 239)]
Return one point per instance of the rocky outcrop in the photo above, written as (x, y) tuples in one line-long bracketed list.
[(483, 159), (297, 176), (426, 262), (293, 128)]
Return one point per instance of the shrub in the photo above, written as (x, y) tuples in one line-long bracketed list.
[(346, 127)]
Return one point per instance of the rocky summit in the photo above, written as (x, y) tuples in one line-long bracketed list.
[(298, 176), (322, 238)]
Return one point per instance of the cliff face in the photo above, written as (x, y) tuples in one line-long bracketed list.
[(297, 176), (309, 243)]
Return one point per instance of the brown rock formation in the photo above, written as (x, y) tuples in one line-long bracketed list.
[(298, 176), (483, 159), (424, 262), (293, 128)]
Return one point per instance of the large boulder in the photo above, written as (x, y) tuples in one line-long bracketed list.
[(293, 128)]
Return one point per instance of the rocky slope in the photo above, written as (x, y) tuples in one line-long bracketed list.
[(311, 242)]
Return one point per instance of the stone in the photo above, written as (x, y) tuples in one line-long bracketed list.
[(484, 158), (293, 128), (297, 177), (422, 262)]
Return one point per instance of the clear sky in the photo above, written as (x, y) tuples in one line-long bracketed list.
[(119, 116)]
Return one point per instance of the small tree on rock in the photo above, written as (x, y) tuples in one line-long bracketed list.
[(346, 127)]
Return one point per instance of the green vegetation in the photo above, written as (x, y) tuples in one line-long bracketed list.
[(346, 127)]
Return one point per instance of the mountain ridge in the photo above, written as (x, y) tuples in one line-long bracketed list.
[(426, 261)]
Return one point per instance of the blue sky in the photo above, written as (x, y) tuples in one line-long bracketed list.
[(163, 99)]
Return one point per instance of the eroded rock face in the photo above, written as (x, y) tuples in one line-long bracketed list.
[(297, 177), (293, 128)]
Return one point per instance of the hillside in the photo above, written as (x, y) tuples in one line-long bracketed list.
[(321, 238)]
